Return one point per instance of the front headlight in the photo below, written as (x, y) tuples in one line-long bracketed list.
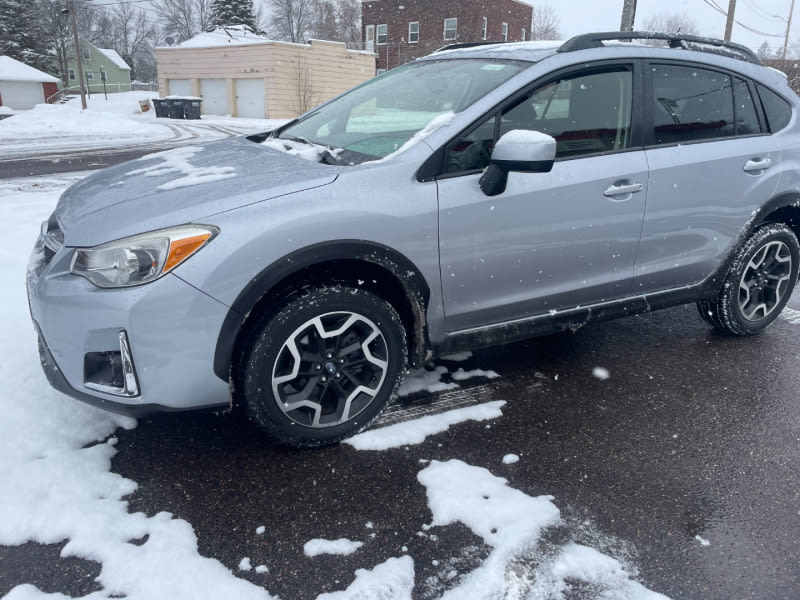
[(141, 258)]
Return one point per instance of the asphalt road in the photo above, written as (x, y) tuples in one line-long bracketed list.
[(693, 434)]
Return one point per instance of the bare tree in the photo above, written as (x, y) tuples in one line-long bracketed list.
[(667, 22), (130, 32), (348, 17), (544, 25), (177, 18), (324, 25), (306, 94), (292, 20)]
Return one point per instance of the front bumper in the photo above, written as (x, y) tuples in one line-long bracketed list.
[(170, 327)]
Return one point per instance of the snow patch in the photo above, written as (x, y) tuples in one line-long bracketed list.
[(177, 161), (600, 373), (416, 431), (391, 580), (342, 546), (510, 459)]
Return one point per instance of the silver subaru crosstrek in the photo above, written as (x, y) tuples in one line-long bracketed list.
[(478, 195)]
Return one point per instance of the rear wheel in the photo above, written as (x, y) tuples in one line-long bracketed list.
[(759, 282), (323, 366)]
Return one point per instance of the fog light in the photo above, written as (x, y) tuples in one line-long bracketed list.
[(111, 372)]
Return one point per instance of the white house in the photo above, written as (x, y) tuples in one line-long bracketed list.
[(22, 86)]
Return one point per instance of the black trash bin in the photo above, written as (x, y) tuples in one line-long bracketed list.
[(175, 106), (191, 108), (161, 108)]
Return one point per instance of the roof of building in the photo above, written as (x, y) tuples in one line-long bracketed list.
[(13, 70), (234, 35), (115, 58)]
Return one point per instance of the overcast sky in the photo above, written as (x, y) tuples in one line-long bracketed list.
[(767, 16)]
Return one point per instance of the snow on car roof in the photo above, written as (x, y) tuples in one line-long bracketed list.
[(532, 51)]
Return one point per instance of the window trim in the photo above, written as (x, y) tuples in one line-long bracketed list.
[(455, 29), (434, 168), (410, 41), (648, 102), (378, 41)]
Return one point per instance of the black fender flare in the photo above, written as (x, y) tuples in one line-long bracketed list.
[(398, 266)]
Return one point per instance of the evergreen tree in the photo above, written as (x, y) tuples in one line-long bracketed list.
[(21, 37), (225, 13)]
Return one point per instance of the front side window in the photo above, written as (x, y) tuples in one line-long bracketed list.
[(450, 29), (691, 104), (413, 32), (586, 113), (382, 34), (380, 116)]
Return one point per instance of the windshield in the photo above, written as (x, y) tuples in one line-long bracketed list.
[(380, 116)]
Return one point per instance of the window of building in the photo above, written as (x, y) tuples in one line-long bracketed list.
[(413, 32), (450, 29), (691, 104), (505, 32), (89, 75), (370, 35), (485, 27), (382, 34), (86, 54), (72, 74), (524, 34)]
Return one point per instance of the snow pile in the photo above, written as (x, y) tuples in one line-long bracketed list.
[(342, 546), (415, 431), (55, 455), (111, 120), (234, 35), (304, 150), (177, 161), (391, 580), (512, 523)]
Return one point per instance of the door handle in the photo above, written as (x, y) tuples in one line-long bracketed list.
[(622, 189), (757, 164)]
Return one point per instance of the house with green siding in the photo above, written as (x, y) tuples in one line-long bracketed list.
[(99, 64)]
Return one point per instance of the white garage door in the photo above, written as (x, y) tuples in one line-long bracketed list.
[(21, 94), (179, 87), (250, 98), (215, 97)]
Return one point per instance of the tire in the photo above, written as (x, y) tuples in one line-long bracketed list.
[(322, 366), (758, 284)]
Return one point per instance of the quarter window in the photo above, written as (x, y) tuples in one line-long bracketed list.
[(691, 104), (450, 29), (413, 32), (778, 110), (382, 34)]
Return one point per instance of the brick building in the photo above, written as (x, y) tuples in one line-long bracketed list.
[(398, 31)]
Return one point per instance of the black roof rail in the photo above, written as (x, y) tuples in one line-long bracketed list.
[(675, 40), (460, 45)]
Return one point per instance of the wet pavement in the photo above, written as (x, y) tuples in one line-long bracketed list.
[(683, 462)]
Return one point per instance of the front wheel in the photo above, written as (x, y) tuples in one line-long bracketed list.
[(322, 366), (759, 282)]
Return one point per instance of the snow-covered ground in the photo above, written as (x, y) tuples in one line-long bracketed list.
[(55, 457), (116, 121)]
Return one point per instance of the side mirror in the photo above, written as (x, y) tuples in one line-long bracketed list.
[(518, 150)]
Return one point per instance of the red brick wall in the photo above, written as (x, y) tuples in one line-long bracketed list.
[(49, 89), (431, 16)]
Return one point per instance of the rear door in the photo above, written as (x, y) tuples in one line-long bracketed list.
[(712, 165), (555, 240)]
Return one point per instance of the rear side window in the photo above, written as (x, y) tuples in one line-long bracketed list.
[(691, 104), (778, 110), (747, 122)]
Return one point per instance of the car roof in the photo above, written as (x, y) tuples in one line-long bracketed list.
[(536, 51)]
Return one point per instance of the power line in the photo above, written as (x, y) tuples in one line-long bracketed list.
[(724, 13)]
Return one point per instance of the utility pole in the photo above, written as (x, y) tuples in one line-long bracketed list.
[(73, 9), (628, 15), (729, 22), (788, 27)]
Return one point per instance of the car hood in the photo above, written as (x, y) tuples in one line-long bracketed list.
[(182, 185)]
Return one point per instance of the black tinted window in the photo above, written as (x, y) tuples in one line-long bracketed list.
[(587, 113), (691, 104), (746, 116), (778, 110)]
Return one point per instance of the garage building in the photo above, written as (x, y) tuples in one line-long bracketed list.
[(22, 86)]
